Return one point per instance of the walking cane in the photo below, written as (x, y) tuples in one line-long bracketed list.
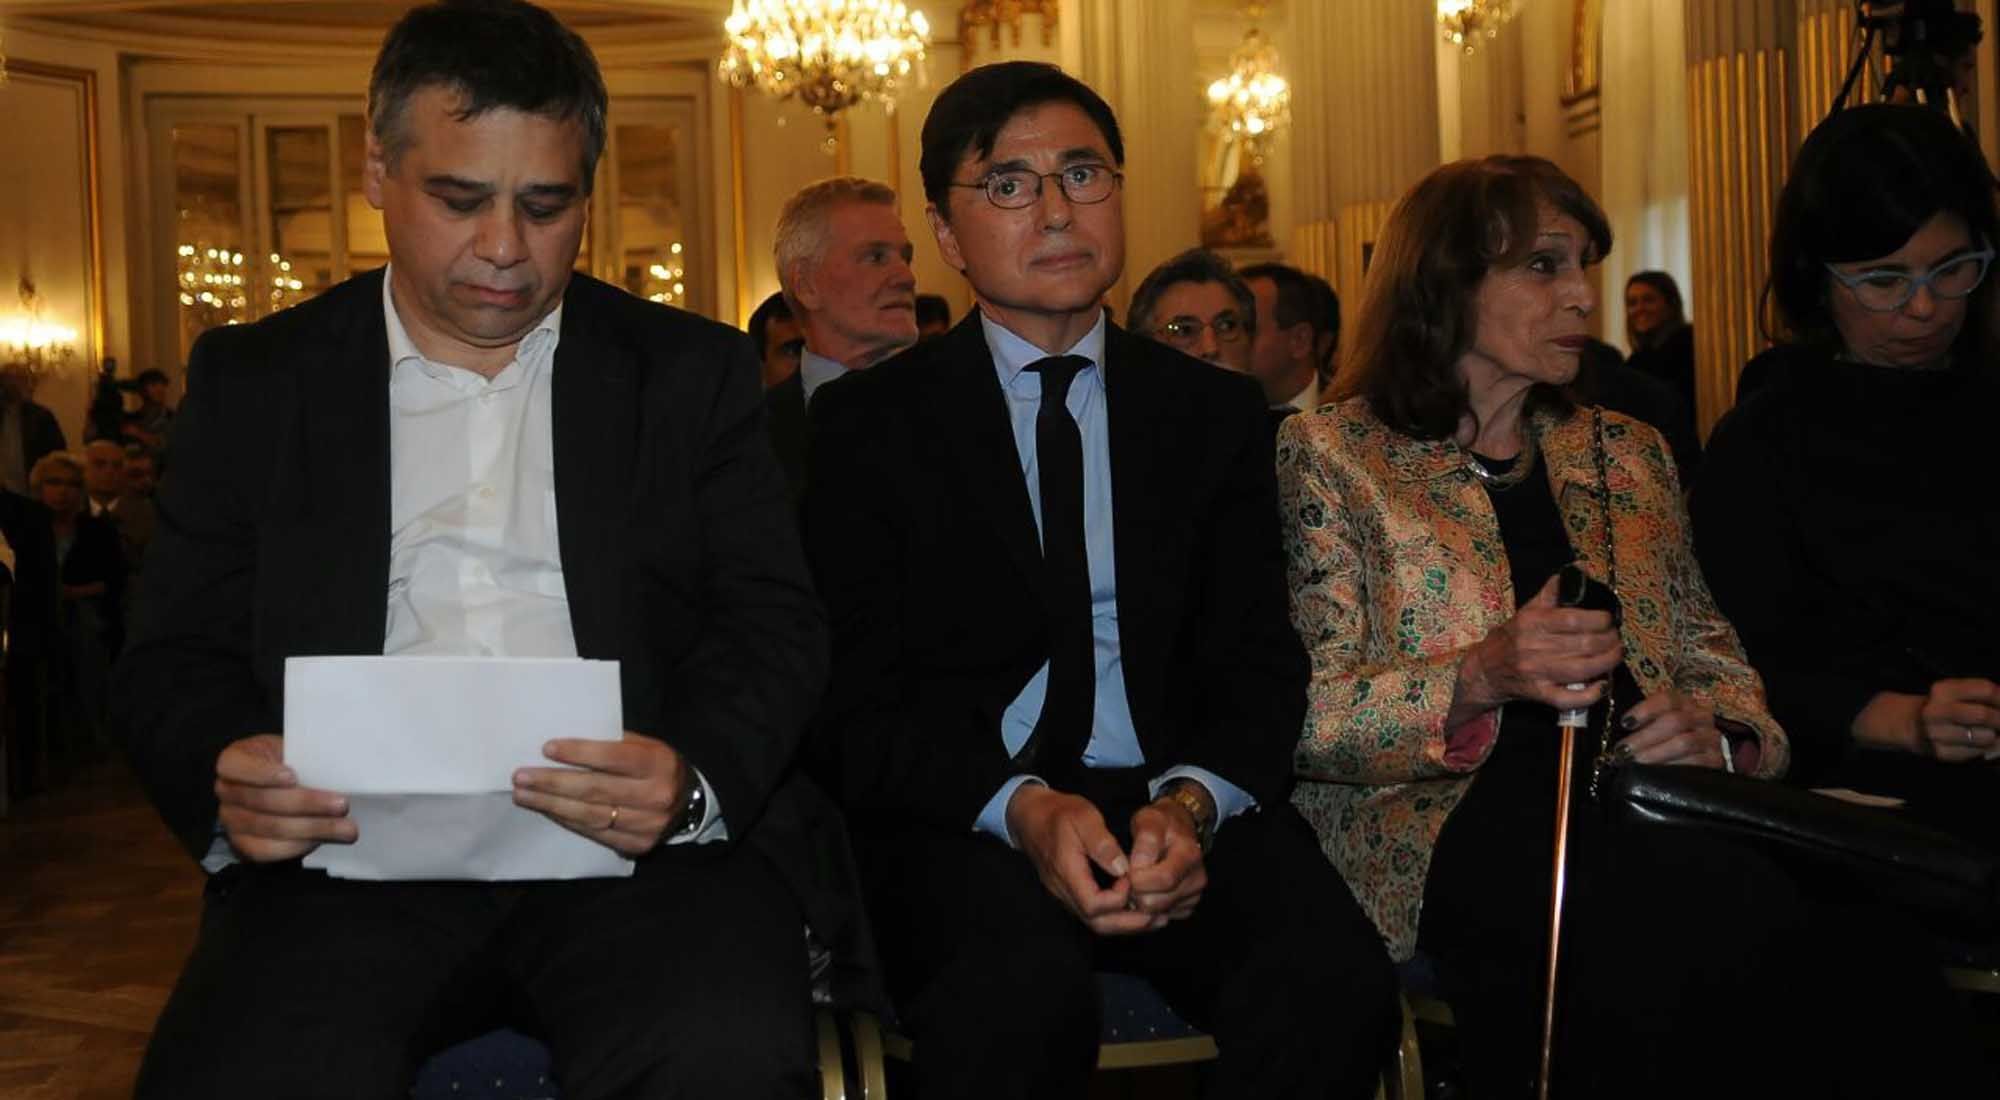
[(1566, 758), (1571, 588)]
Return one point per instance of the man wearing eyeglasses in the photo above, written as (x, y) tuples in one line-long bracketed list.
[(1065, 690), (1197, 303)]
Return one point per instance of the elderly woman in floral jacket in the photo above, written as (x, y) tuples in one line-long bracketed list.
[(1427, 512)]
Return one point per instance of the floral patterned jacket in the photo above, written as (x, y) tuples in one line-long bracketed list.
[(1397, 567)]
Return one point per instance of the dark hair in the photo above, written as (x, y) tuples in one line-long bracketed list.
[(1196, 265), (492, 53), (1298, 304), (1444, 236), (972, 110), (770, 309), (1676, 309), (1327, 303), (151, 375), (1864, 182), (933, 307)]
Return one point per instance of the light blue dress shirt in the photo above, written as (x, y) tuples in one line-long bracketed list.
[(816, 371), (1114, 740)]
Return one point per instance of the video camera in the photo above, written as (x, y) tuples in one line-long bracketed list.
[(1922, 41)]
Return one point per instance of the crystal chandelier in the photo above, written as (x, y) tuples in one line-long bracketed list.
[(32, 342), (663, 281), (1253, 102), (1464, 22), (217, 286), (831, 54), (213, 287)]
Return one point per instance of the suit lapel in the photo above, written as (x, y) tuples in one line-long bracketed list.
[(972, 413), (1136, 410), (596, 421), (344, 380)]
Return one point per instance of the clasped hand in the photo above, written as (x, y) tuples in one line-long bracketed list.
[(1545, 651), (1539, 654), (1064, 836), (1957, 718), (268, 816)]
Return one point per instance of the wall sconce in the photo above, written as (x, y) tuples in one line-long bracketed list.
[(29, 340)]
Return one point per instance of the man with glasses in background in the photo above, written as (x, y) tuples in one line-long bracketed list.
[(1197, 303), (1065, 687)]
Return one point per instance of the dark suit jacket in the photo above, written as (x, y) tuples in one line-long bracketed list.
[(919, 527), (33, 608), (785, 412), (1603, 378), (135, 519), (681, 558), (95, 556)]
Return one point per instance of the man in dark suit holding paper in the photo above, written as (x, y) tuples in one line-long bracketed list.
[(1065, 687), (479, 453)]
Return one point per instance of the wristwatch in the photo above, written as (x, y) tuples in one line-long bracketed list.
[(1194, 798), (694, 813)]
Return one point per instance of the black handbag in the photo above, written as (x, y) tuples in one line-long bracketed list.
[(1952, 885)]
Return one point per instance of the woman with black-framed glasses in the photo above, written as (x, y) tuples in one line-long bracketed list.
[(1847, 517)]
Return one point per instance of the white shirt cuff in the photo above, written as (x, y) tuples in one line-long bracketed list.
[(992, 820)]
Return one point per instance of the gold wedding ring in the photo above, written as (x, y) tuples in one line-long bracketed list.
[(613, 823)]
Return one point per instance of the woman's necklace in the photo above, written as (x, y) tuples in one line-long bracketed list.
[(1523, 463)]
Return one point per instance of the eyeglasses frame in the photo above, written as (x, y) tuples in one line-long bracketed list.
[(1852, 282), (985, 184)]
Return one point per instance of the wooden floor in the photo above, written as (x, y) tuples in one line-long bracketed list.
[(98, 908)]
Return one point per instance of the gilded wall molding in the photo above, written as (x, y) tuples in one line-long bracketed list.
[(739, 207), (93, 212), (992, 15), (1740, 106)]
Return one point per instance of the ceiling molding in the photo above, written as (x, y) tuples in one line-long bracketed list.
[(671, 9), (175, 39)]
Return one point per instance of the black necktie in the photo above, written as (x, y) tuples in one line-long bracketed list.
[(1063, 729)]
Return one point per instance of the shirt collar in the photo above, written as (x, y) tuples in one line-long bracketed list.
[(1012, 355), (817, 370), (537, 345), (1306, 400)]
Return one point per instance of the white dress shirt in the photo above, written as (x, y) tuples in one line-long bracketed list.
[(475, 563)]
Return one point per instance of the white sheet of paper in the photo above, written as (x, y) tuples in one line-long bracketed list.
[(425, 748)]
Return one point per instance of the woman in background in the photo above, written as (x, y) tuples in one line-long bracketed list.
[(1657, 331), (91, 580)]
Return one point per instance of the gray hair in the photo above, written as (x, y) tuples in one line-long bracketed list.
[(50, 463), (1196, 265), (801, 234)]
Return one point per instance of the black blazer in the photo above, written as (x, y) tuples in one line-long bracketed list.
[(680, 553), (785, 412), (922, 538), (95, 555)]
